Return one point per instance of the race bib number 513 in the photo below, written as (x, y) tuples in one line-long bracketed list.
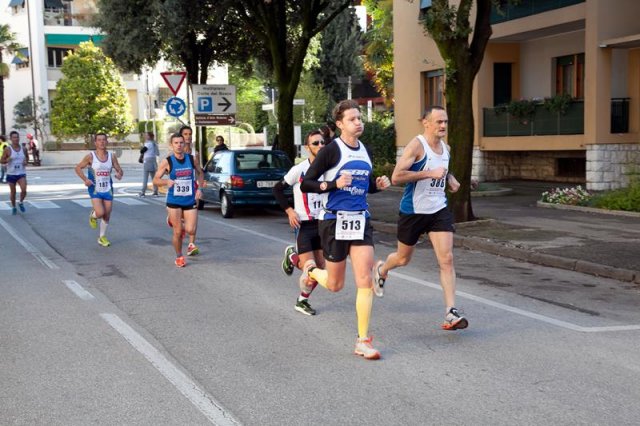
[(350, 226)]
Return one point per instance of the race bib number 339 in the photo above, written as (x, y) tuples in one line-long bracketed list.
[(350, 226), (183, 188)]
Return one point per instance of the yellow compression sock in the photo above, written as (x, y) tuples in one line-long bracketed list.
[(364, 303), (320, 275)]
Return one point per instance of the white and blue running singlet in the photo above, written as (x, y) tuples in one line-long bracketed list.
[(306, 204), (15, 166), (100, 174), (183, 191), (352, 198), (426, 196)]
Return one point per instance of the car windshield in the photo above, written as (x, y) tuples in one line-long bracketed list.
[(259, 160)]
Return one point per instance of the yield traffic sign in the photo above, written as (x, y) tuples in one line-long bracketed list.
[(174, 80)]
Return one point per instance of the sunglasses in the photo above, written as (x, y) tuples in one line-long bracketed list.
[(316, 143)]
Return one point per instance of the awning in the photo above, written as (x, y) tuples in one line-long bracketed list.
[(53, 4), (425, 4), (21, 57), (71, 39), (16, 3)]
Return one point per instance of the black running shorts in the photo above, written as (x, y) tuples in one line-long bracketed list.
[(308, 238), (337, 250), (411, 226)]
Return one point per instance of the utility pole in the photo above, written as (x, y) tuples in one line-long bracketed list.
[(33, 84)]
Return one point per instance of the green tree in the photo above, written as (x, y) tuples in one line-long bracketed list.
[(23, 116), (90, 97), (340, 54), (249, 97), (283, 30), (7, 44), (190, 34), (316, 101), (449, 26), (378, 50)]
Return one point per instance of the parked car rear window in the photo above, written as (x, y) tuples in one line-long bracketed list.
[(257, 161)]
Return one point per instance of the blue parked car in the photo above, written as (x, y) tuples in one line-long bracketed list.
[(237, 178)]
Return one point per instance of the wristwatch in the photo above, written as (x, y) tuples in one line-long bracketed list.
[(323, 186)]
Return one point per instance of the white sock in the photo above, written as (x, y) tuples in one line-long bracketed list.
[(103, 227)]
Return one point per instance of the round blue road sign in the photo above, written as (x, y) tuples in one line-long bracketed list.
[(175, 107)]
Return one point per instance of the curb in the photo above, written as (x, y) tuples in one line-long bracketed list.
[(486, 245), (587, 209)]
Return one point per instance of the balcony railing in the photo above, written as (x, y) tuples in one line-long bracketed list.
[(58, 17), (528, 8), (542, 122)]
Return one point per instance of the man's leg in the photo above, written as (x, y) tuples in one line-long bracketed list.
[(442, 243)]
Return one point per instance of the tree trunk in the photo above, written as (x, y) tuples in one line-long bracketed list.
[(3, 125), (461, 130), (285, 121)]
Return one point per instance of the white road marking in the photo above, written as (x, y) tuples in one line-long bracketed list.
[(129, 201), (498, 305), (30, 248), (44, 204), (84, 202), (78, 290), (204, 402)]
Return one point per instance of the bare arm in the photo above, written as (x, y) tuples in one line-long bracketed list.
[(116, 165), (199, 178), (412, 152), (81, 165), (162, 170)]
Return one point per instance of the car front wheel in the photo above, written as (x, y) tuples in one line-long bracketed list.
[(226, 207)]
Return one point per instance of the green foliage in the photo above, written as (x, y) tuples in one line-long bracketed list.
[(316, 101), (90, 97), (23, 115), (558, 103), (249, 97), (379, 46), (148, 126), (7, 43), (339, 55), (523, 109), (627, 199)]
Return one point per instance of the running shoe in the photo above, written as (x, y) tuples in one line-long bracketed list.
[(22, 209), (192, 250), (454, 320), (141, 195), (378, 280), (14, 211), (365, 348), (304, 307), (287, 265), (93, 222), (104, 242), (180, 262)]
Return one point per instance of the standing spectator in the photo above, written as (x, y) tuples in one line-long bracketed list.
[(34, 147), (149, 162), (3, 167), (15, 157), (328, 132), (220, 145)]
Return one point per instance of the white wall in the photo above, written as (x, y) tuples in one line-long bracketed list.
[(536, 58)]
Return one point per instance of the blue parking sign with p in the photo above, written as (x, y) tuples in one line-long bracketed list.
[(205, 104)]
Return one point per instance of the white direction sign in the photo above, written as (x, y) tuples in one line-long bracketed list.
[(214, 99)]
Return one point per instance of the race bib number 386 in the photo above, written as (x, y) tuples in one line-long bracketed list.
[(350, 226)]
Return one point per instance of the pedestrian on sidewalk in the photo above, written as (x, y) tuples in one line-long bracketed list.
[(220, 145), (100, 164), (346, 169), (15, 159), (149, 153), (3, 167), (424, 168), (303, 218)]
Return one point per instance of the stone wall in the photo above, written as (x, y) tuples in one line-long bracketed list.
[(610, 166), (529, 165)]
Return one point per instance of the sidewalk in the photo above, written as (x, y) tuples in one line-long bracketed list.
[(514, 226)]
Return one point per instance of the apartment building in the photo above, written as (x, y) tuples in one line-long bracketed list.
[(588, 49)]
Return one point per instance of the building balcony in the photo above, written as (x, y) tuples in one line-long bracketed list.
[(541, 123), (525, 8), (58, 17)]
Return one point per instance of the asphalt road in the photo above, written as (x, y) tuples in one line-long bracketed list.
[(119, 335)]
